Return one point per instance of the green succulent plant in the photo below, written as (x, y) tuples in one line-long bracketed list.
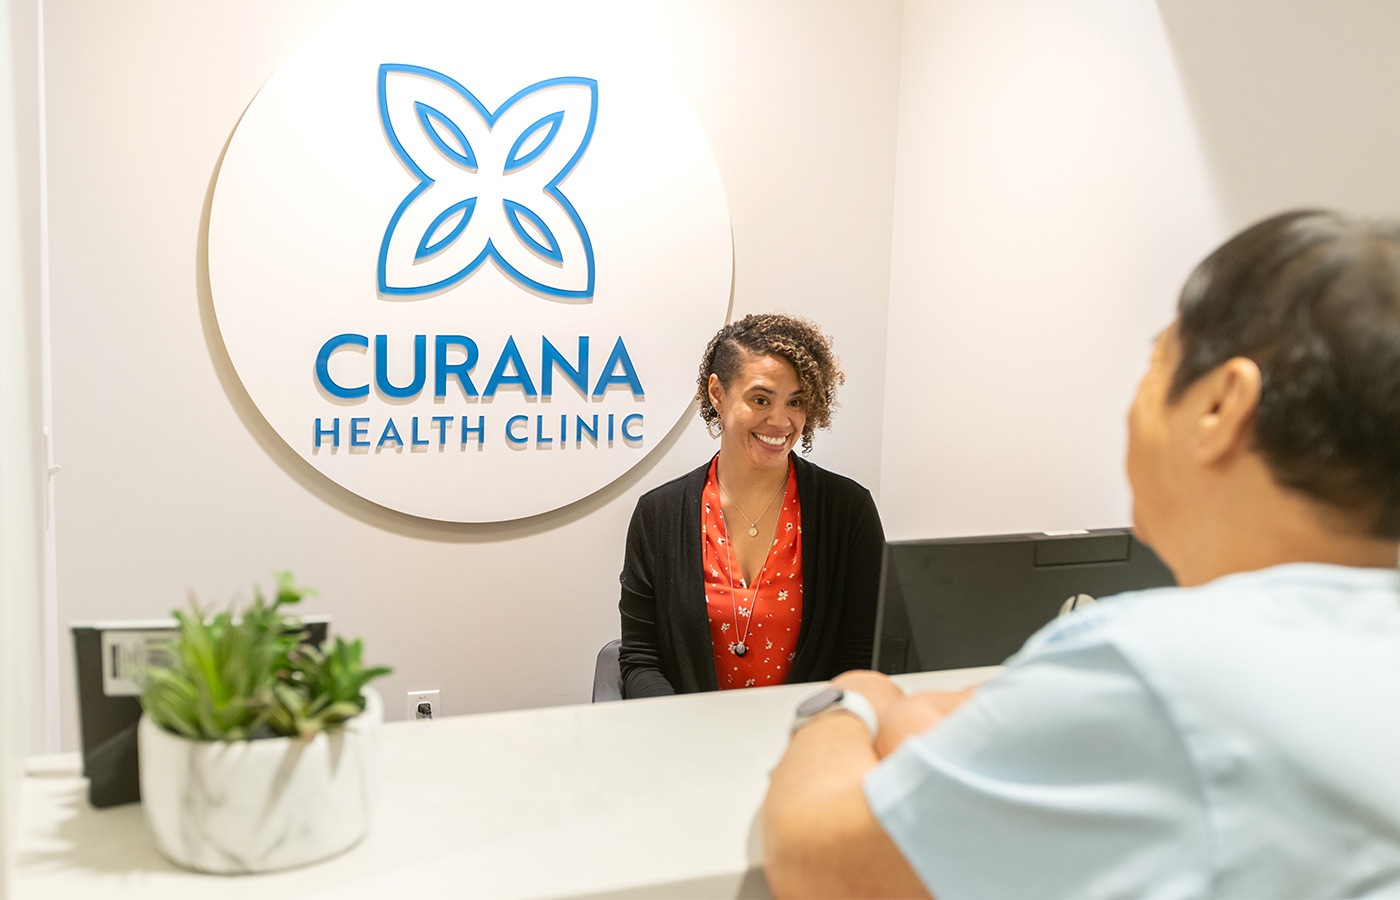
[(235, 678)]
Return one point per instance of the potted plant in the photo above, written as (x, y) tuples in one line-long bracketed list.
[(258, 752)]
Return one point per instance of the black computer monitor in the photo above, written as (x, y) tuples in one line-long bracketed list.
[(110, 658), (954, 603)]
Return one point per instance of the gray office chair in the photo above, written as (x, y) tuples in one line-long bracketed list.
[(607, 677)]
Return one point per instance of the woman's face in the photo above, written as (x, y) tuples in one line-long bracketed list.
[(761, 411)]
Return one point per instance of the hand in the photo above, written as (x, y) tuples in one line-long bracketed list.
[(915, 714), (874, 686)]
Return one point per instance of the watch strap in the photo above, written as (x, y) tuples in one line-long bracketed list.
[(843, 700)]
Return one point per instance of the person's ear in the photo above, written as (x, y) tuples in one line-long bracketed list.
[(716, 393), (1227, 399)]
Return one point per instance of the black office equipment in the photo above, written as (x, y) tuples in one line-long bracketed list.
[(954, 603), (110, 657)]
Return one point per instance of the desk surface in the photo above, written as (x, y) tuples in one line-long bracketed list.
[(647, 798)]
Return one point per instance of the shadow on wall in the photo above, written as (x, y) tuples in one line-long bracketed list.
[(353, 505), (1293, 101)]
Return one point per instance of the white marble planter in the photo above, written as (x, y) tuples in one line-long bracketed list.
[(256, 806)]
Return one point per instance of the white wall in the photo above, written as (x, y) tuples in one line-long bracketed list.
[(1062, 164), (170, 480), (1049, 171), (1049, 197), (21, 478), (1293, 102)]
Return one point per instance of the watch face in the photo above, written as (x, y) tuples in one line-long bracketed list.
[(819, 701)]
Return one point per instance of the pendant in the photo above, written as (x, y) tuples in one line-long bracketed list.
[(753, 532), (740, 650)]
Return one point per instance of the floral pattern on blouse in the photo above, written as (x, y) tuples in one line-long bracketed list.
[(768, 619)]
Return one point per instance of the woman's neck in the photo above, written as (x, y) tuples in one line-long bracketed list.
[(741, 480)]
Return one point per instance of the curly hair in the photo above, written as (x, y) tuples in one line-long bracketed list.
[(797, 340)]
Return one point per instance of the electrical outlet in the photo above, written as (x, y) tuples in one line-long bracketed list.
[(424, 704)]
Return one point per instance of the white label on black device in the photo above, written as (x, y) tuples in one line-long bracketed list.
[(126, 655)]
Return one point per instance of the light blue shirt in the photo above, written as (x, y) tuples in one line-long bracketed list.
[(1239, 739)]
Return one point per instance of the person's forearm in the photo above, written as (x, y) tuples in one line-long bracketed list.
[(820, 838), (639, 657), (645, 682)]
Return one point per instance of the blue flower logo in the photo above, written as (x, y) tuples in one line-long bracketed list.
[(488, 184)]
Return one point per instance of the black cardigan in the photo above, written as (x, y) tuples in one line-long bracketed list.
[(666, 646)]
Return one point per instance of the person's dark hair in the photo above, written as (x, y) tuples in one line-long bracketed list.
[(797, 340), (1313, 298)]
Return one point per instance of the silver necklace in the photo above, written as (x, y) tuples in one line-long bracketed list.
[(741, 648), (753, 523)]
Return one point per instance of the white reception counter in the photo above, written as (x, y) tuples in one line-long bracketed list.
[(647, 798)]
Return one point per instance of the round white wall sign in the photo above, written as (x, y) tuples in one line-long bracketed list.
[(465, 260)]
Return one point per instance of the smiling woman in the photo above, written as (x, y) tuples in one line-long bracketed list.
[(757, 568)]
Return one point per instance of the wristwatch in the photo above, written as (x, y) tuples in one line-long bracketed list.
[(834, 700)]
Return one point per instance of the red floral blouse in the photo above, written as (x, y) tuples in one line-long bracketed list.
[(765, 618)]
